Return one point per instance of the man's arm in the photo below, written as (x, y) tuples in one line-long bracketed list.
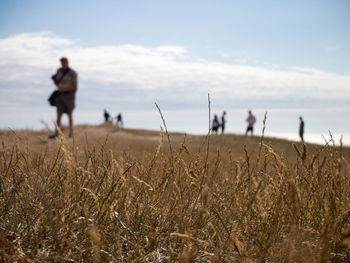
[(53, 77), (75, 82)]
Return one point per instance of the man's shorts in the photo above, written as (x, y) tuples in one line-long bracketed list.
[(65, 102), (250, 128)]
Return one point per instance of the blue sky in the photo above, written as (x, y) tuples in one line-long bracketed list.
[(275, 56), (285, 33)]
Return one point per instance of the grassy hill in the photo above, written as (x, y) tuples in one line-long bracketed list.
[(123, 195)]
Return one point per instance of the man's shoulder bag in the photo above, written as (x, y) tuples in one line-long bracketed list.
[(52, 98), (55, 93)]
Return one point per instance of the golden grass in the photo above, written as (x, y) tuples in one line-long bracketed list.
[(114, 195)]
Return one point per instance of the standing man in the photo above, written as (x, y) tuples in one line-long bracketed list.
[(106, 115), (223, 122), (301, 129), (251, 121), (65, 80)]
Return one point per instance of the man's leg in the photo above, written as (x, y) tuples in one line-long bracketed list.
[(58, 122), (59, 117), (70, 117)]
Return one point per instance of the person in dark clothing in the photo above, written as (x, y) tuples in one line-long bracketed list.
[(223, 122), (119, 120), (301, 128), (106, 115)]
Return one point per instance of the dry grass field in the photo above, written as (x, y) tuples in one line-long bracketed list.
[(122, 195)]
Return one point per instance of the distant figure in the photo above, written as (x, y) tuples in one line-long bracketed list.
[(223, 122), (251, 121), (215, 124), (120, 120), (106, 115), (65, 80), (301, 129)]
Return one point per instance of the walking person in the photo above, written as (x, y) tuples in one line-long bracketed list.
[(66, 82), (215, 124), (223, 122), (251, 121), (301, 128)]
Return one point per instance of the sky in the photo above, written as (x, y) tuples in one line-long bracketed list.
[(286, 58)]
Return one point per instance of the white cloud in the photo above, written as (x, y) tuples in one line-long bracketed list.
[(131, 73)]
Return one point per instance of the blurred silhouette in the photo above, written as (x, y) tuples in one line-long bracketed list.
[(251, 121), (106, 115), (66, 82), (223, 122), (215, 124), (301, 128), (119, 120)]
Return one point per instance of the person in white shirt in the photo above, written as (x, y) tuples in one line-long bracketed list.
[(251, 121), (215, 124)]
